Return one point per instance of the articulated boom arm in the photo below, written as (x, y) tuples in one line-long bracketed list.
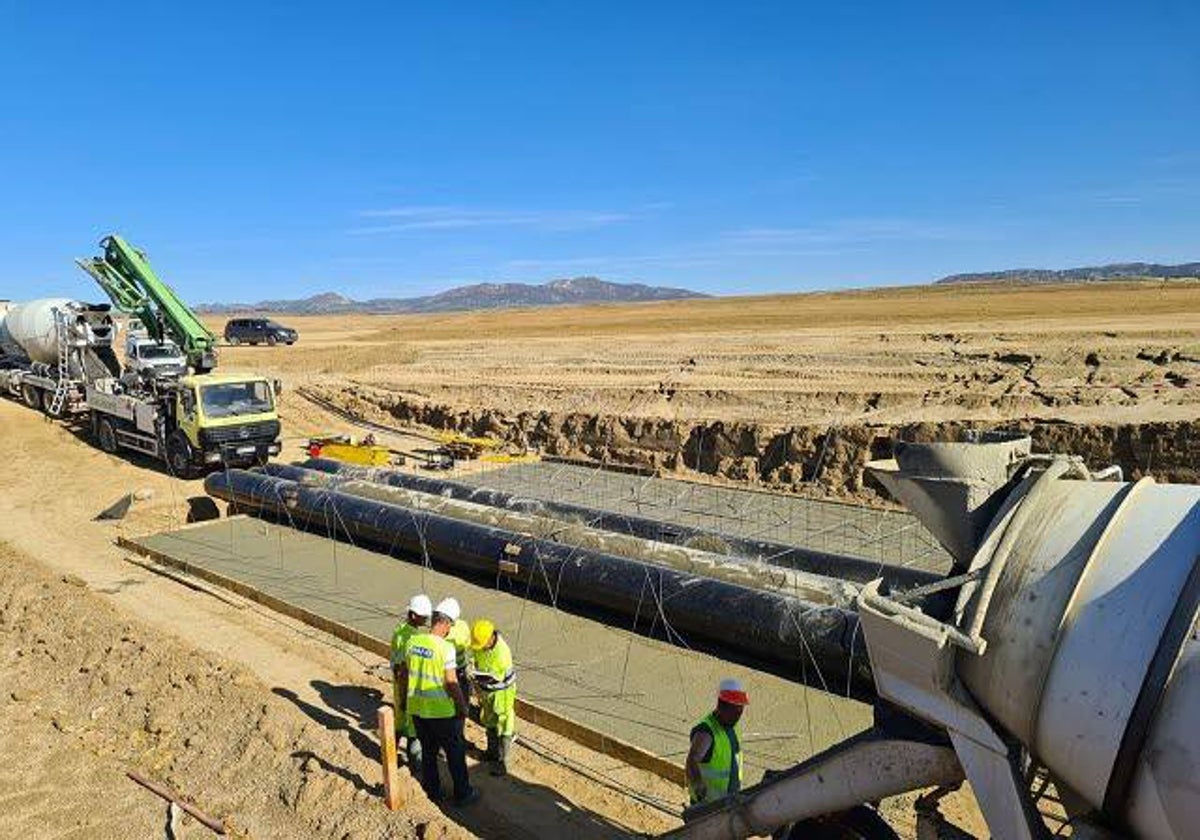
[(127, 278)]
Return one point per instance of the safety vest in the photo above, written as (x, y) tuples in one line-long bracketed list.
[(427, 696), (722, 771), (496, 663), (400, 636), (460, 637)]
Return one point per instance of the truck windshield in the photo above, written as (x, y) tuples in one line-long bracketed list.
[(231, 399), (157, 351)]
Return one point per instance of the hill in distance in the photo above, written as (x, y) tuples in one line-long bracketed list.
[(576, 290), (1113, 271)]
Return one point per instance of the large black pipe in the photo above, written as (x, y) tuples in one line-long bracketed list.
[(854, 569), (770, 628), (739, 570)]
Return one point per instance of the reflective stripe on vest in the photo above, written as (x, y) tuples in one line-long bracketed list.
[(722, 773), (427, 697)]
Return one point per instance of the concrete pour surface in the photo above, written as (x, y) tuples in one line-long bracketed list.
[(619, 683)]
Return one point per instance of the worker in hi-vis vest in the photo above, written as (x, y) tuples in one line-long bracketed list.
[(496, 685), (460, 637), (420, 610), (438, 706), (714, 761)]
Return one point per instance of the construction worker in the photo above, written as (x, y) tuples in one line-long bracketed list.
[(496, 684), (420, 609), (714, 761), (438, 706), (460, 637)]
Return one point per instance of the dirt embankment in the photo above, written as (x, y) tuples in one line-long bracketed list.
[(829, 459), (89, 694)]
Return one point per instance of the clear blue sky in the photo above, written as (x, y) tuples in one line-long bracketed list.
[(395, 148)]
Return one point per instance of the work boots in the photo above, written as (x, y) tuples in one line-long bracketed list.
[(493, 746), (500, 765)]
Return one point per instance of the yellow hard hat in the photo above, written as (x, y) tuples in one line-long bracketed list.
[(481, 633)]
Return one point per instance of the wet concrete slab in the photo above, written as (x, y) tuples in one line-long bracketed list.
[(607, 679)]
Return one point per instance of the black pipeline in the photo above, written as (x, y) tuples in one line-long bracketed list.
[(853, 569), (798, 638)]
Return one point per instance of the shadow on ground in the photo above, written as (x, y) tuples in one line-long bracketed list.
[(510, 807)]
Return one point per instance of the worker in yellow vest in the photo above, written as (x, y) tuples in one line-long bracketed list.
[(460, 637), (496, 684), (438, 706), (714, 760), (420, 609)]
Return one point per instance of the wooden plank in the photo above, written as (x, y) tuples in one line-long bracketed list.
[(392, 793), (585, 736)]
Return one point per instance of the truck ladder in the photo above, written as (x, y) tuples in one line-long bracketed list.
[(62, 326)]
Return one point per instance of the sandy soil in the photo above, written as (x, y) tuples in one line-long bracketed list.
[(1112, 352), (106, 667)]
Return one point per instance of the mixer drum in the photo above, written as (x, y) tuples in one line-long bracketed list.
[(1092, 659), (28, 329)]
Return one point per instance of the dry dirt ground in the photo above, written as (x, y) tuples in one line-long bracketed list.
[(1106, 352), (107, 667)]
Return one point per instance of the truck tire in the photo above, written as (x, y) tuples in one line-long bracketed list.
[(106, 435), (179, 456), (31, 396), (233, 341)]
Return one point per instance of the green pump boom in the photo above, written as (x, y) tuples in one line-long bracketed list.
[(127, 278)]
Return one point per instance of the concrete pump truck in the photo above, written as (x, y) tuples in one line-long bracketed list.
[(57, 355)]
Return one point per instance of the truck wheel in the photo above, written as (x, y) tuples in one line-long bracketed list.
[(31, 396), (179, 456), (233, 341), (106, 435)]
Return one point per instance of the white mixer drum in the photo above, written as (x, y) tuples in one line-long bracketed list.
[(28, 329)]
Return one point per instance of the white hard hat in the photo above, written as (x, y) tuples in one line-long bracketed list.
[(420, 605), (732, 691), (449, 608)]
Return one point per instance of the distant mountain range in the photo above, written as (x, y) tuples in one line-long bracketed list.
[(478, 296), (1114, 271)]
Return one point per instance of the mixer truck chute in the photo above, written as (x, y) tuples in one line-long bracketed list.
[(1069, 655)]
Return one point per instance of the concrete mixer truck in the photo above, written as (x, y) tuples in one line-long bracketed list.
[(51, 348), (1059, 660), (57, 356)]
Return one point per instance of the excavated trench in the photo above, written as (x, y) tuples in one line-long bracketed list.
[(826, 460)]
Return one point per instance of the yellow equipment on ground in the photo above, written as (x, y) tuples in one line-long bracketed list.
[(365, 452)]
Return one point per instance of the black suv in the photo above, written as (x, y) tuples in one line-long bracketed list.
[(258, 331)]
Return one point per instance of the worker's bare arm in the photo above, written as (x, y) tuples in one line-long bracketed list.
[(701, 741)]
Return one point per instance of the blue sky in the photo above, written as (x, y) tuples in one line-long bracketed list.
[(261, 150)]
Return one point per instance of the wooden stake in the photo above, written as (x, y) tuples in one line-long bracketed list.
[(387, 753)]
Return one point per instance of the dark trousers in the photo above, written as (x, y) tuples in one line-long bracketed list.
[(437, 735)]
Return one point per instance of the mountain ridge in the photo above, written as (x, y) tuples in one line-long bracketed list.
[(1083, 274), (476, 296)]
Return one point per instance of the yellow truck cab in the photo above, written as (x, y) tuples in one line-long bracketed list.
[(222, 419), (192, 423)]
